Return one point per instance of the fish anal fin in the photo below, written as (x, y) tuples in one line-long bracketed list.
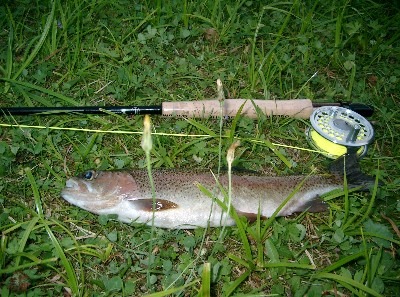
[(251, 217), (147, 204), (314, 205)]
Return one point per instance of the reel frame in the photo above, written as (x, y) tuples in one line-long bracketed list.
[(337, 130)]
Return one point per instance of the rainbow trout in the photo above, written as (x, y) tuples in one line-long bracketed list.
[(179, 203)]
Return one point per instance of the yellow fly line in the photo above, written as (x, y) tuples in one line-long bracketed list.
[(329, 148), (20, 126)]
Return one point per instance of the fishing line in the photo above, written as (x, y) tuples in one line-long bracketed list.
[(337, 130), (98, 131), (21, 126)]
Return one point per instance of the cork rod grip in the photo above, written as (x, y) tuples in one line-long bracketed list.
[(297, 108)]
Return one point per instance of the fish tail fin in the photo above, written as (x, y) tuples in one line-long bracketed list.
[(348, 164)]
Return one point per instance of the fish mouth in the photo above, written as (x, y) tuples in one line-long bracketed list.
[(72, 184), (72, 188), (78, 192), (72, 193), (79, 185)]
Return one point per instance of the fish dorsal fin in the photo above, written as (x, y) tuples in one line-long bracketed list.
[(147, 204)]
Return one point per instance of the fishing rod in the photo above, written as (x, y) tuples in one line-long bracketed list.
[(297, 108)]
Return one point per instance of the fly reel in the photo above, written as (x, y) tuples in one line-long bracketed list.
[(336, 131)]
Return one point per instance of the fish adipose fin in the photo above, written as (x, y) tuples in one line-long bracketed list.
[(348, 163), (147, 204)]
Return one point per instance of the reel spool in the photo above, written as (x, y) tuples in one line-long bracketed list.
[(336, 131)]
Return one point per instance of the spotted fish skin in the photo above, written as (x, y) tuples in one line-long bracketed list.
[(180, 204)]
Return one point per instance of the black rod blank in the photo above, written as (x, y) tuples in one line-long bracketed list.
[(127, 110)]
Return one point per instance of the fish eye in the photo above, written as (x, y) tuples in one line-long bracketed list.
[(89, 175)]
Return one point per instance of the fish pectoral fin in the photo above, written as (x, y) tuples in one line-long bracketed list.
[(251, 217), (314, 205), (147, 204)]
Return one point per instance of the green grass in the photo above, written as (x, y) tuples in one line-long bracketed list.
[(120, 53)]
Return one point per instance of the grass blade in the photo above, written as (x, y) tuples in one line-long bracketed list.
[(371, 204), (169, 292), (276, 151), (348, 281), (290, 196), (241, 261), (38, 46), (343, 261), (272, 254), (43, 90), (372, 234), (234, 215), (35, 190), (202, 127), (28, 265), (25, 236), (9, 58), (70, 277), (289, 265), (205, 290), (237, 282)]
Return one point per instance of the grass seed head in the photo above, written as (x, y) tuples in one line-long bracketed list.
[(230, 156), (146, 138)]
